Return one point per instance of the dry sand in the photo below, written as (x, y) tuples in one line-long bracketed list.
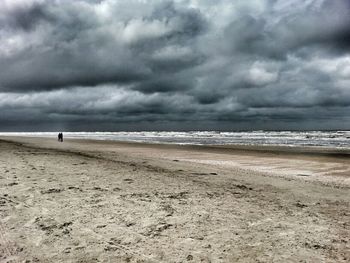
[(98, 201)]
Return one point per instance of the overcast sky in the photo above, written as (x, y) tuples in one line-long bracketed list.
[(174, 65)]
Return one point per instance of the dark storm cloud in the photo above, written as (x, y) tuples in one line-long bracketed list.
[(24, 18), (328, 25), (221, 64), (75, 46)]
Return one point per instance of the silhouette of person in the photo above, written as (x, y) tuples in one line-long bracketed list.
[(60, 137)]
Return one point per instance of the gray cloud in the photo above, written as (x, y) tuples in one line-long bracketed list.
[(76, 44), (172, 64)]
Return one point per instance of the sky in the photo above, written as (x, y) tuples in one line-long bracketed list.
[(112, 65)]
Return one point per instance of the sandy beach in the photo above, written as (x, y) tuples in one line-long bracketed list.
[(104, 201)]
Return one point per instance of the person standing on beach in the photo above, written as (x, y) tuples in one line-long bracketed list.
[(60, 137)]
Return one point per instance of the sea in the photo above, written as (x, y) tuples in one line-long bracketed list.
[(329, 139)]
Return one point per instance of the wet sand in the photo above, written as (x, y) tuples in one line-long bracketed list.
[(103, 201)]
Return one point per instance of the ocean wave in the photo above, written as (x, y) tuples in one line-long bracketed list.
[(338, 139)]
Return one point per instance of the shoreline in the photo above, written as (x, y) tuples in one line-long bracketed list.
[(285, 149), (327, 166)]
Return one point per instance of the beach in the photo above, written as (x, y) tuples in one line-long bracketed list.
[(105, 201)]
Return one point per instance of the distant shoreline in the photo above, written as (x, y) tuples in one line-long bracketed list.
[(327, 141), (227, 149)]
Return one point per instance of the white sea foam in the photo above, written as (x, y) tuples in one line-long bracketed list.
[(338, 139)]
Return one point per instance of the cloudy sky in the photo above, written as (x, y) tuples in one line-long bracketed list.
[(174, 65)]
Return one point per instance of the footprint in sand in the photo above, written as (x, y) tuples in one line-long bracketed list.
[(199, 174), (189, 257), (49, 225), (75, 188), (243, 187), (157, 229), (168, 209), (128, 180), (51, 191), (96, 188)]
